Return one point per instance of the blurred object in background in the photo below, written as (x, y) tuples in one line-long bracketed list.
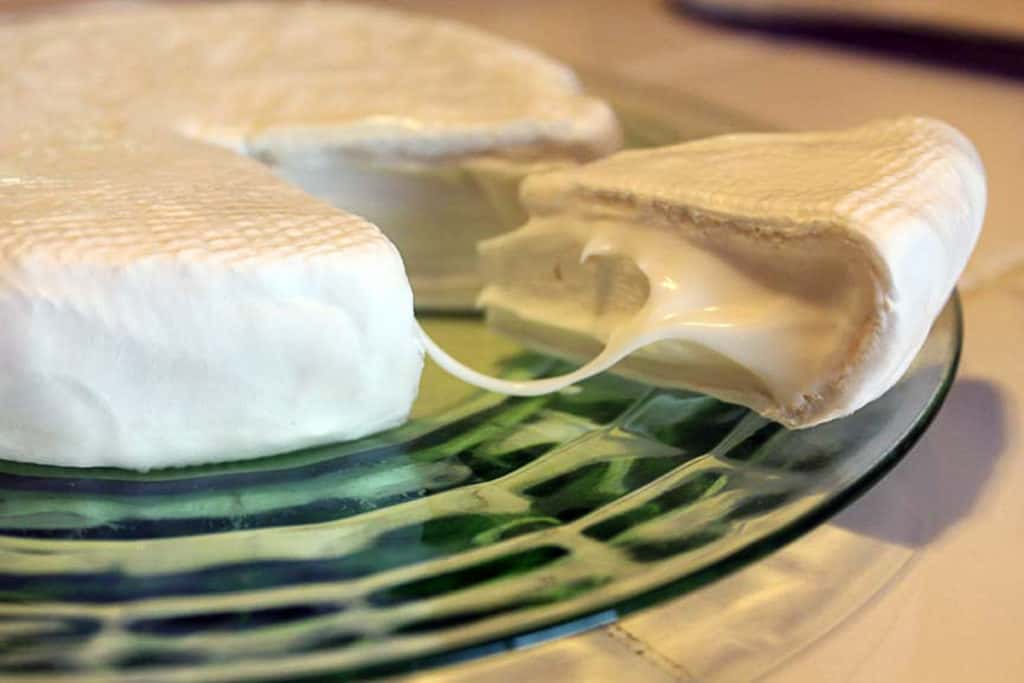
[(29, 5), (983, 35)]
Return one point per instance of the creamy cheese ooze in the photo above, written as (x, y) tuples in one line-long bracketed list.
[(797, 274)]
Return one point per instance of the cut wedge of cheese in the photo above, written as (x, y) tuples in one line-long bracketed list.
[(424, 127), (797, 274)]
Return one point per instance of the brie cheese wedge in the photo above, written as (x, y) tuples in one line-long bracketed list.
[(797, 274), (424, 127)]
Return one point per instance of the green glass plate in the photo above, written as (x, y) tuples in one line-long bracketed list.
[(485, 523)]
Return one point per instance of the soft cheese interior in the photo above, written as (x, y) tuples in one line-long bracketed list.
[(746, 325), (796, 274)]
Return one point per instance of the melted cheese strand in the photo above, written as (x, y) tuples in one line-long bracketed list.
[(627, 339)]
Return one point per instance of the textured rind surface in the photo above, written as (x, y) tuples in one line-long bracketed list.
[(168, 303), (354, 103), (905, 198), (276, 78)]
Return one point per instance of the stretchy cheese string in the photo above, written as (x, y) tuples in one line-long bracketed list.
[(645, 328), (620, 345)]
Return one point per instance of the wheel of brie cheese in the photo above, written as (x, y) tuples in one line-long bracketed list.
[(167, 300)]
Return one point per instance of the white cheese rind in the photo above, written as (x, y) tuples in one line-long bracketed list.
[(271, 78), (334, 96), (168, 303), (807, 268)]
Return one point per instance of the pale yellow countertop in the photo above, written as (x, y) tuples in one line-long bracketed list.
[(921, 579)]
